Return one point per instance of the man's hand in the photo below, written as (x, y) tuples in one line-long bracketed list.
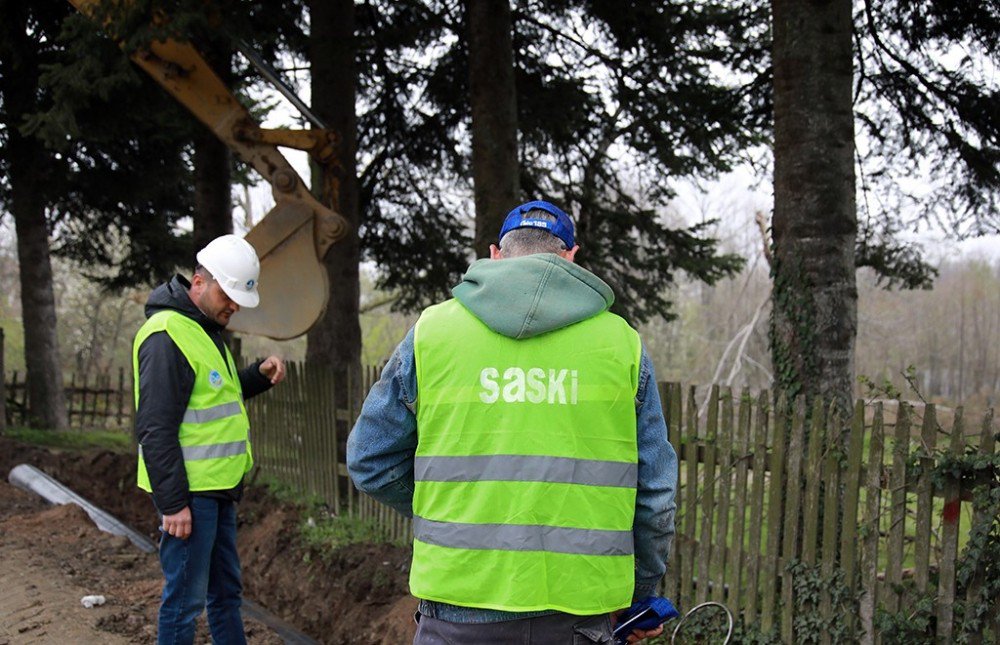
[(273, 368), (178, 524), (639, 634)]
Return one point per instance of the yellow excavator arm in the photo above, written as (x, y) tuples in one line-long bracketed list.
[(293, 237)]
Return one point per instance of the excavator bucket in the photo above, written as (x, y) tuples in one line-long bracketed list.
[(293, 284)]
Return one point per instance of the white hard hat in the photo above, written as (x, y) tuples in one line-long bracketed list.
[(234, 264)]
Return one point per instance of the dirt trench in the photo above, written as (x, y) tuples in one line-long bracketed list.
[(52, 556)]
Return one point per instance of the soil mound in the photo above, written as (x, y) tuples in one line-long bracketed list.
[(356, 594)]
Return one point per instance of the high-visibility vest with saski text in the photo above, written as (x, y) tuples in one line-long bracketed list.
[(526, 464)]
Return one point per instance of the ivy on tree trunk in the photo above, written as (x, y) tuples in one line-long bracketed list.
[(814, 317)]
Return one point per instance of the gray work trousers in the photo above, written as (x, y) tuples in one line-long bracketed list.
[(555, 629)]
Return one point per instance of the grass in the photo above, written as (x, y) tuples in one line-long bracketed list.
[(333, 532), (321, 530), (289, 493), (116, 440)]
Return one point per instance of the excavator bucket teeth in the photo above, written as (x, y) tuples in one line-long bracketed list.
[(293, 288)]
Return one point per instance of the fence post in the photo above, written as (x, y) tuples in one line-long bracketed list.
[(831, 495), (898, 487), (70, 398), (3, 389), (925, 491), (775, 498), (987, 446), (757, 509), (708, 498), (724, 477), (949, 538), (739, 503), (852, 494), (691, 494), (793, 500), (121, 396), (870, 530)]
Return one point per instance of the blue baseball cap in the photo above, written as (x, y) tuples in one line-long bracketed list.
[(519, 218)]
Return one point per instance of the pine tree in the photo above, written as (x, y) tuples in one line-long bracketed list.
[(28, 169), (609, 107)]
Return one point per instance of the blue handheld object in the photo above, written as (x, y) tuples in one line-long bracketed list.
[(648, 613)]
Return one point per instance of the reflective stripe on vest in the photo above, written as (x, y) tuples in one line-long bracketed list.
[(211, 451), (522, 537), (211, 414), (526, 464), (213, 433), (526, 468)]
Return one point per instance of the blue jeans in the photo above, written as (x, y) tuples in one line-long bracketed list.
[(203, 567), (545, 630)]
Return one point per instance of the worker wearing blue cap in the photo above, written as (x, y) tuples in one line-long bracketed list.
[(519, 425)]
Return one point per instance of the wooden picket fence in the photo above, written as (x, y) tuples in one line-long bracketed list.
[(780, 510), (101, 401)]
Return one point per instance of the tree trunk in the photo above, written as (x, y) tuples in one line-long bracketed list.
[(213, 214), (814, 319), (27, 176), (494, 117), (335, 340)]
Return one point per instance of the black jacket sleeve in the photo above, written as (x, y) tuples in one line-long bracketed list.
[(166, 381), (253, 382)]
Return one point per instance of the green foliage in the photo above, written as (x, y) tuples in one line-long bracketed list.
[(605, 120), (810, 584), (331, 532), (321, 530), (113, 182), (896, 264), (878, 390), (707, 625), (289, 494), (914, 103), (73, 439), (978, 565), (912, 625)]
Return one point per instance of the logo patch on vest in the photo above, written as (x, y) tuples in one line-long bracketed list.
[(534, 385), (215, 379)]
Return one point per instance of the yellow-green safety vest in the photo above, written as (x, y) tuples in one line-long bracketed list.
[(214, 434), (526, 464)]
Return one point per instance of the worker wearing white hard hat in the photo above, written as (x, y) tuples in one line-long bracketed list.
[(233, 263), (192, 429)]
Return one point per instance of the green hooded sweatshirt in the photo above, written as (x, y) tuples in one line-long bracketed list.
[(531, 295)]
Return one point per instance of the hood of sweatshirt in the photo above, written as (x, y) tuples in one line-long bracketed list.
[(174, 295), (531, 295)]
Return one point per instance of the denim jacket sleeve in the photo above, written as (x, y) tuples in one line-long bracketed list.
[(381, 447), (653, 530)]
